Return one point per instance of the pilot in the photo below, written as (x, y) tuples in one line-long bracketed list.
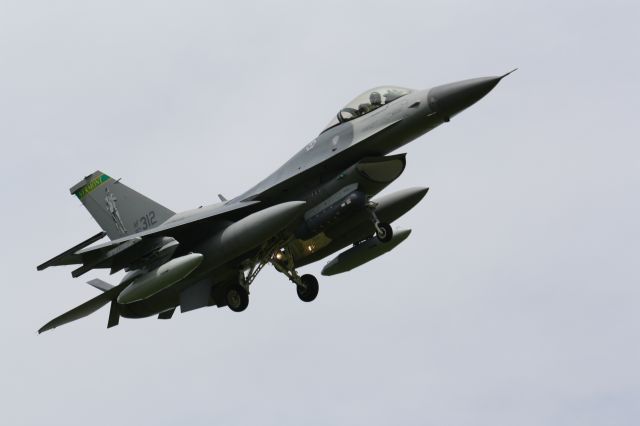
[(375, 99), (392, 95), (375, 102), (364, 109)]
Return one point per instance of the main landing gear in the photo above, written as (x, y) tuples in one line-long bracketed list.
[(237, 295), (237, 298)]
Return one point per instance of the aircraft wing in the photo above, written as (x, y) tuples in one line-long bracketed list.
[(147, 246), (181, 222)]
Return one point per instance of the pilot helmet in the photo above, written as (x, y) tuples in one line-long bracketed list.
[(375, 98)]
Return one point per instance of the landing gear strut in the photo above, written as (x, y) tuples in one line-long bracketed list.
[(306, 285), (237, 295), (384, 231)]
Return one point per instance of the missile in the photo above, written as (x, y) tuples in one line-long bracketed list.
[(164, 276), (363, 253), (249, 233)]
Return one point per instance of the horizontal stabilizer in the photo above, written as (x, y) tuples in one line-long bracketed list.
[(117, 256), (104, 257), (69, 257), (85, 309)]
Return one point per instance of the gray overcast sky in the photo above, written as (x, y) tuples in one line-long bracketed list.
[(514, 301)]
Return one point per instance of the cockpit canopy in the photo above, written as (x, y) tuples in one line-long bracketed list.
[(368, 101)]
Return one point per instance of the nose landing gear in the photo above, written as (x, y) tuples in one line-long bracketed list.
[(384, 231), (306, 285), (308, 291)]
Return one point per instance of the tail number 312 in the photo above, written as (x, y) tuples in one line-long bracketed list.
[(145, 222)]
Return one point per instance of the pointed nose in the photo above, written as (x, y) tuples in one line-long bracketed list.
[(450, 99)]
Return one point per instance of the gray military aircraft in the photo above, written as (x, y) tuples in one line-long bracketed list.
[(317, 203)]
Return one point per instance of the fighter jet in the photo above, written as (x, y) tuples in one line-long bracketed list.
[(321, 201)]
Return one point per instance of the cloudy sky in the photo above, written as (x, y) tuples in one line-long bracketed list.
[(515, 300)]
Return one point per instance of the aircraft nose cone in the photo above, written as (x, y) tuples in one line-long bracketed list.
[(450, 99)]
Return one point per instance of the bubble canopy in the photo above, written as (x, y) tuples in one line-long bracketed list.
[(367, 102)]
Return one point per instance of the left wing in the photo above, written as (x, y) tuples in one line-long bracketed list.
[(147, 246)]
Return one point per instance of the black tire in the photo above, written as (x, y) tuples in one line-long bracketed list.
[(387, 232), (237, 298), (309, 290)]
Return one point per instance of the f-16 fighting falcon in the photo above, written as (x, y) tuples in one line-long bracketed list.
[(319, 202)]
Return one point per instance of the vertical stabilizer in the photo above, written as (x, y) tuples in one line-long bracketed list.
[(118, 209)]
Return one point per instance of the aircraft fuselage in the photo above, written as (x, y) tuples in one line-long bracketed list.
[(321, 163)]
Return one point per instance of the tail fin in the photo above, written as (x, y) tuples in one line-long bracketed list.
[(118, 209)]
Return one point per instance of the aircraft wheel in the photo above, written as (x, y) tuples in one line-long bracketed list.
[(384, 232), (237, 298), (309, 290)]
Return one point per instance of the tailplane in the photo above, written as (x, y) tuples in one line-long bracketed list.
[(118, 209), (109, 295)]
